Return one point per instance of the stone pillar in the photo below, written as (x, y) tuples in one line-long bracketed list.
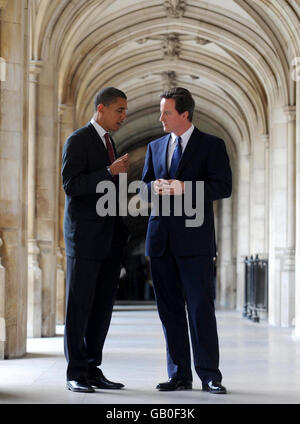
[(34, 323), (243, 211), (257, 198), (266, 140), (13, 177), (60, 288), (2, 306), (297, 242), (225, 260), (60, 264), (46, 193), (288, 263), (67, 126), (281, 268)]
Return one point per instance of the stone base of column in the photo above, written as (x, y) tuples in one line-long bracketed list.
[(34, 317), (227, 285), (2, 309), (240, 284), (14, 320), (282, 287), (60, 289), (288, 289), (48, 266)]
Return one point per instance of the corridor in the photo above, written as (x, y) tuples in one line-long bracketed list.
[(260, 365)]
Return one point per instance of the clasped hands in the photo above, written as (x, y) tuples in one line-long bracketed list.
[(168, 187)]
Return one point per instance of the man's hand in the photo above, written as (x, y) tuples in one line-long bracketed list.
[(120, 165), (168, 187), (160, 186)]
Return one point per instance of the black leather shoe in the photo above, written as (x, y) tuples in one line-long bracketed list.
[(175, 384), (79, 385), (98, 380), (214, 387)]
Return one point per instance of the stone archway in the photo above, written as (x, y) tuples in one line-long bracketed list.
[(237, 58)]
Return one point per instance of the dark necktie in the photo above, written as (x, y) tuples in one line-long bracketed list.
[(109, 147), (175, 158)]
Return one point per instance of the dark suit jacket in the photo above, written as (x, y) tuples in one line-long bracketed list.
[(84, 162), (204, 159)]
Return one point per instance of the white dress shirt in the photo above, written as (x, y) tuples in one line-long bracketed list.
[(184, 141), (101, 131)]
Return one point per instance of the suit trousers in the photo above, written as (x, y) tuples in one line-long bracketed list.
[(91, 291), (186, 283)]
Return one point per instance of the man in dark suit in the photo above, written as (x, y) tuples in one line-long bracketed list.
[(181, 256), (94, 244)]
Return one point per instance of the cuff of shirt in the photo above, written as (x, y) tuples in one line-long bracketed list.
[(108, 169)]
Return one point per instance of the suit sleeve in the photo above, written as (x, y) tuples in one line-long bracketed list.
[(218, 184), (148, 177), (76, 182)]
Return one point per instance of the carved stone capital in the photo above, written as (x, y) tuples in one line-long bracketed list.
[(290, 112), (289, 260), (34, 68), (266, 140), (61, 108), (33, 253), (59, 258)]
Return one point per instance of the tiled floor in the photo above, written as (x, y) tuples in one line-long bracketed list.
[(260, 364)]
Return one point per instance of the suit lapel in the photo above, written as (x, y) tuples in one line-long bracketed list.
[(97, 140), (163, 155)]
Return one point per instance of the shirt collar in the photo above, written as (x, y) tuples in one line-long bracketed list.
[(100, 130), (185, 136)]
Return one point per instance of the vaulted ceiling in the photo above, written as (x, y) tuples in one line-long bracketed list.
[(233, 55)]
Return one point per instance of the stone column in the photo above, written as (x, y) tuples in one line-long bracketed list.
[(13, 177), (60, 288), (60, 264), (281, 273), (257, 198), (46, 192), (225, 260), (288, 263), (297, 241), (2, 306), (266, 140), (34, 323), (243, 211), (67, 126)]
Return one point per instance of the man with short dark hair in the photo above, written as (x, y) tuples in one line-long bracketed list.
[(181, 257), (94, 244)]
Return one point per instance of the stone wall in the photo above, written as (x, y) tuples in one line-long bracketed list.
[(13, 178)]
